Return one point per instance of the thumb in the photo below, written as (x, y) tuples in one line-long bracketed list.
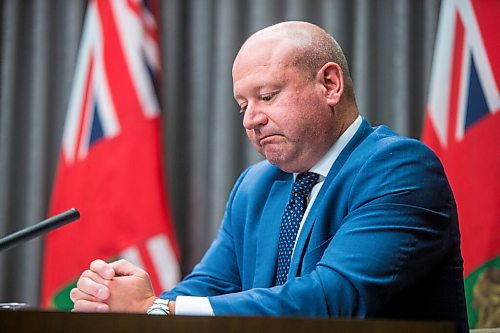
[(124, 268)]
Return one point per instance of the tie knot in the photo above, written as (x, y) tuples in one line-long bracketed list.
[(305, 182)]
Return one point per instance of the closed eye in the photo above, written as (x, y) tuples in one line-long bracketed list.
[(269, 97)]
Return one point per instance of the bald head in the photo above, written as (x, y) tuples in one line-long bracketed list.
[(309, 48)]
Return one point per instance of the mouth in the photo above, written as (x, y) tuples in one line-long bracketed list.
[(267, 139)]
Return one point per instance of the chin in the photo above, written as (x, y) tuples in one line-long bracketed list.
[(283, 165), (274, 160), (281, 159)]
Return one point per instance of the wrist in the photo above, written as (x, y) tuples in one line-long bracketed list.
[(171, 307), (149, 303)]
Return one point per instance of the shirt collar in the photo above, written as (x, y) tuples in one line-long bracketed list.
[(323, 166)]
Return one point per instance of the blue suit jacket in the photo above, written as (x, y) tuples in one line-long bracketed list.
[(381, 240)]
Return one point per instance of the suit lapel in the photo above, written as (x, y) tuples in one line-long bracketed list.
[(298, 253), (268, 233)]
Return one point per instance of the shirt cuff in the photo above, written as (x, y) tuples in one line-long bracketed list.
[(193, 306)]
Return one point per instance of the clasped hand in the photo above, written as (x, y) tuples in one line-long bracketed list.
[(117, 287)]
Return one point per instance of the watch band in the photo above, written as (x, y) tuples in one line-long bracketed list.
[(159, 307)]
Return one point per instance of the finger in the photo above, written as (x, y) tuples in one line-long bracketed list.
[(93, 285), (124, 268), (88, 306), (96, 277), (102, 268), (77, 295)]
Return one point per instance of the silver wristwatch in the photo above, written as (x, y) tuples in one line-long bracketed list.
[(159, 307)]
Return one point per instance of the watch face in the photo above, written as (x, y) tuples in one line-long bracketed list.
[(159, 307)]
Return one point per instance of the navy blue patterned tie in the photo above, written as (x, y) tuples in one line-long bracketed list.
[(290, 222)]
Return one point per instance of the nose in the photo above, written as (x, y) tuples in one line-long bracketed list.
[(253, 118)]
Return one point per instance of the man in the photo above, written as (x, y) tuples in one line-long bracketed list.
[(375, 217)]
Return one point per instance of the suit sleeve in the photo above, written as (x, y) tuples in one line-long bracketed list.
[(397, 227), (217, 273)]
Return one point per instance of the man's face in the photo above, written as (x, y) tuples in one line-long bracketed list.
[(285, 115)]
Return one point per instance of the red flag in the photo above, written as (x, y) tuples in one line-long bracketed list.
[(110, 162), (463, 126)]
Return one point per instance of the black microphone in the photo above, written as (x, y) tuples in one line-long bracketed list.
[(38, 229)]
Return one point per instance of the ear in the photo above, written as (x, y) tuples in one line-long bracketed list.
[(330, 76)]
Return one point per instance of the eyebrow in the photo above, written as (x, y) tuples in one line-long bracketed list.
[(258, 89), (238, 96)]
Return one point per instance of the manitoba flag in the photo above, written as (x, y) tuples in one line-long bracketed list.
[(462, 125), (110, 165)]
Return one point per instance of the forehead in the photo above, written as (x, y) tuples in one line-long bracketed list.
[(259, 61), (261, 52)]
